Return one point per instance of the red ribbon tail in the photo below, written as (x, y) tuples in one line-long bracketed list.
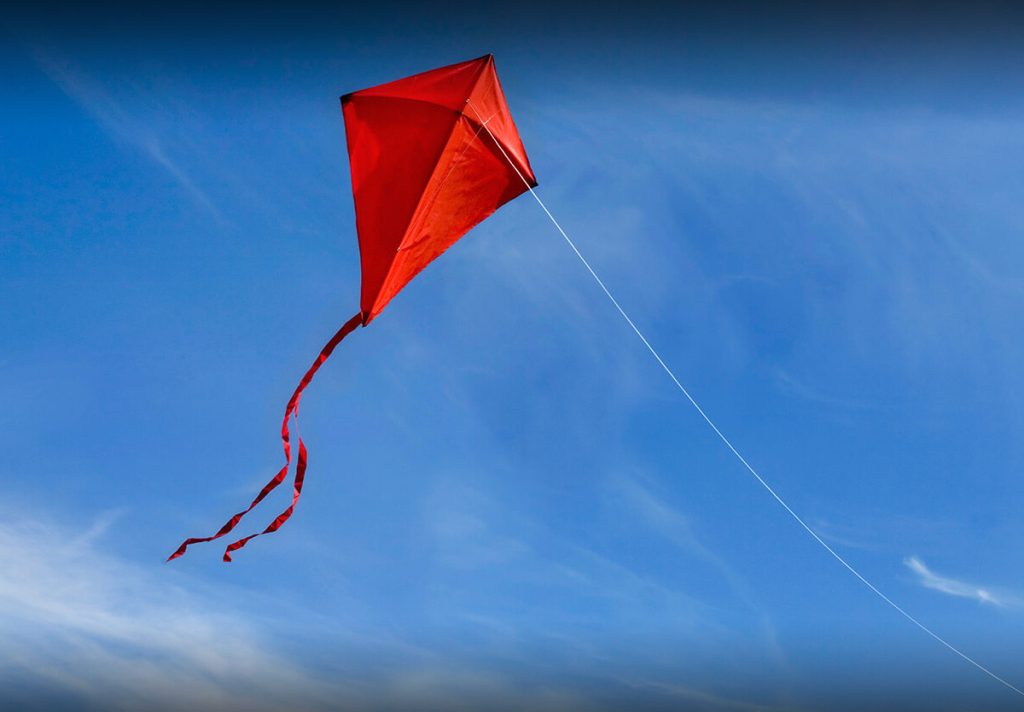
[(300, 467), (300, 476)]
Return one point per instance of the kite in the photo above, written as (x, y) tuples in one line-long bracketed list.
[(431, 156)]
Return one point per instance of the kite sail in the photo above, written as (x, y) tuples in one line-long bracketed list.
[(431, 156)]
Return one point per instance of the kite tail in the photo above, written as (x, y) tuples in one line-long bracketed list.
[(300, 465)]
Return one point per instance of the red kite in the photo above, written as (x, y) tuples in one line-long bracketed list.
[(431, 156)]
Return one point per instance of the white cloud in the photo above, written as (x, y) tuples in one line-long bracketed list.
[(82, 627), (81, 624), (961, 589)]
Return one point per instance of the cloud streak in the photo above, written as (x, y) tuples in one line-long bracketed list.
[(82, 625), (953, 587), (675, 527), (119, 123)]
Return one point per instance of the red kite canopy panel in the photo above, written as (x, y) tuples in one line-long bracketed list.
[(425, 170)]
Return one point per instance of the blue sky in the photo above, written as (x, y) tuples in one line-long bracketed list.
[(815, 216)]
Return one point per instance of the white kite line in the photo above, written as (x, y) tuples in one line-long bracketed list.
[(721, 436)]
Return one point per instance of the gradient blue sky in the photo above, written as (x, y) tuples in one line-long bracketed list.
[(815, 215)]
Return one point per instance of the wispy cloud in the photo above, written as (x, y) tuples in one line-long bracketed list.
[(790, 385), (118, 122), (89, 628), (674, 526), (955, 587), (83, 625), (689, 696)]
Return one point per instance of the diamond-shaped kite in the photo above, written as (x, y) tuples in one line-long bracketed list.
[(431, 156)]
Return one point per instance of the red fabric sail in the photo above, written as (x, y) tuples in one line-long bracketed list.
[(425, 170), (430, 158)]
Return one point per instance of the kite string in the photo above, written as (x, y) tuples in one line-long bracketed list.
[(722, 436)]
